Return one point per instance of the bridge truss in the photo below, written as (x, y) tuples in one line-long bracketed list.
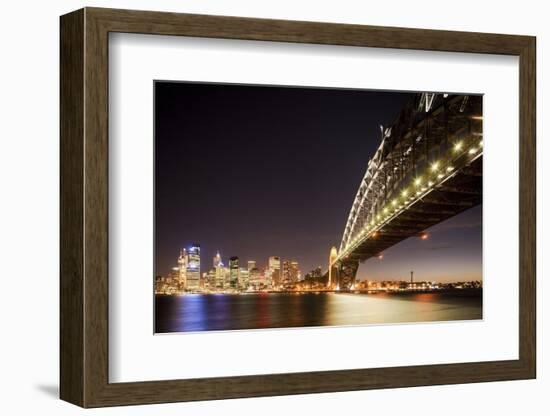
[(427, 169)]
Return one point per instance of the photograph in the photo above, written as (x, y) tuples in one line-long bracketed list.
[(283, 206)]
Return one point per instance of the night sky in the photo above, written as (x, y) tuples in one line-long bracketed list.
[(258, 171)]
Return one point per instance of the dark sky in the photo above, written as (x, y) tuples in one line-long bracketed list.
[(256, 171)]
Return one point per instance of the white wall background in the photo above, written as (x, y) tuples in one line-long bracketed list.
[(29, 160)]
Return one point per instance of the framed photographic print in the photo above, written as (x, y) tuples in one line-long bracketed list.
[(261, 207)]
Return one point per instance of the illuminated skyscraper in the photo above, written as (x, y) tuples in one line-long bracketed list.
[(255, 278), (290, 272), (274, 271), (210, 279), (217, 260), (193, 267), (294, 271), (233, 272), (251, 264), (182, 268), (219, 270), (286, 272), (243, 279)]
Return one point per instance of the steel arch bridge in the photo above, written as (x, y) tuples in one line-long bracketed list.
[(427, 169)]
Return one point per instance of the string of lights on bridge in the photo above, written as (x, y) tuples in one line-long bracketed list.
[(438, 173)]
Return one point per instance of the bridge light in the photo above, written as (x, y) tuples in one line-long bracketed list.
[(435, 166), (480, 143), (386, 210), (430, 184), (440, 176), (418, 181), (404, 193), (424, 236), (450, 169), (394, 202), (472, 150), (458, 146)]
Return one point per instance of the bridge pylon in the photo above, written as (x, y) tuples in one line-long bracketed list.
[(347, 273), (341, 273), (333, 269)]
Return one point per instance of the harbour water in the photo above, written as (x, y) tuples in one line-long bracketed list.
[(210, 312)]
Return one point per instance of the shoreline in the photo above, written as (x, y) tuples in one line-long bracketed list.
[(466, 291)]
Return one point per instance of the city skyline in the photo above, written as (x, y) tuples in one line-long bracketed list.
[(245, 179), (279, 275), (392, 269)]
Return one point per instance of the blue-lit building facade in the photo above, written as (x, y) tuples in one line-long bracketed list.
[(193, 267)]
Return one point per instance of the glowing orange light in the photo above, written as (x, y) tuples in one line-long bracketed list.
[(424, 236)]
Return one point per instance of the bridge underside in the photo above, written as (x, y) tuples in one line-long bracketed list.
[(457, 194)]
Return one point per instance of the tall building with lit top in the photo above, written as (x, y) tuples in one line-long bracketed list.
[(233, 272), (182, 268), (295, 274), (193, 267), (274, 271), (217, 260), (251, 264), (286, 272), (219, 271)]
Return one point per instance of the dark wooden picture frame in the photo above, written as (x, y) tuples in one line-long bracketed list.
[(84, 207)]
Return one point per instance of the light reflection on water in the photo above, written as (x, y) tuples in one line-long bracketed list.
[(207, 312)]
